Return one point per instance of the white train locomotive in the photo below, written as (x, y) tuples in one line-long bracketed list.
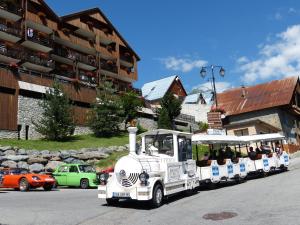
[(163, 165)]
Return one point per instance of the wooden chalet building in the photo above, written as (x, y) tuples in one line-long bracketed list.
[(37, 46), (263, 108)]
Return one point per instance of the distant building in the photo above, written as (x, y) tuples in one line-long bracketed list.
[(154, 91), (263, 108), (195, 105)]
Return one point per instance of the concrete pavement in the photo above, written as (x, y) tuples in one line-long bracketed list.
[(271, 200)]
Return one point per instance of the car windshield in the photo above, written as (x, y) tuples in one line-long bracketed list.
[(86, 169)]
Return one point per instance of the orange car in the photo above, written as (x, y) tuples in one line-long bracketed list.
[(22, 180)]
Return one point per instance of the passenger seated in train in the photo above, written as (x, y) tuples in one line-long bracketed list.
[(205, 157), (252, 154), (278, 149), (265, 149), (213, 155), (228, 153)]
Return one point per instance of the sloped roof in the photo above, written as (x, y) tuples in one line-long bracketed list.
[(272, 94), (97, 10), (193, 98), (158, 88)]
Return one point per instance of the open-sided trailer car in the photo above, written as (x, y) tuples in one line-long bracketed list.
[(210, 171), (265, 163)]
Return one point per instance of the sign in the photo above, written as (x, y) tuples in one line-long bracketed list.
[(216, 131)]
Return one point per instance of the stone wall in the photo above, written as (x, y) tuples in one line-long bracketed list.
[(8, 134), (47, 161), (147, 123), (29, 110)]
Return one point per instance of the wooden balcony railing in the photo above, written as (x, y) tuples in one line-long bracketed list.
[(11, 7), (64, 73), (11, 28), (38, 37), (86, 59), (10, 52), (126, 58), (109, 66), (41, 59), (87, 77)]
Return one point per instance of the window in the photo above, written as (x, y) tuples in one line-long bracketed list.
[(73, 169), (86, 169), (241, 132), (63, 169), (184, 149), (160, 144)]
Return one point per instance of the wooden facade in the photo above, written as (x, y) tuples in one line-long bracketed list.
[(80, 50)]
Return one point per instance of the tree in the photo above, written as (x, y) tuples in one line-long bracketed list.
[(203, 126), (131, 103), (170, 109), (56, 122), (107, 113)]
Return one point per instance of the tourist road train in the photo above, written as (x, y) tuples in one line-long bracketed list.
[(163, 165)]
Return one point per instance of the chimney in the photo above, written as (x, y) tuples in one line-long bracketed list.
[(132, 139), (243, 91)]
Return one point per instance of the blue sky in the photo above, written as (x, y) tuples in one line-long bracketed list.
[(255, 41)]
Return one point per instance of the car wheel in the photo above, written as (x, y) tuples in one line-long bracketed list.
[(157, 197), (84, 183), (23, 185), (112, 201), (48, 187)]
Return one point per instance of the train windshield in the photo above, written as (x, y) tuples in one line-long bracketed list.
[(159, 144)]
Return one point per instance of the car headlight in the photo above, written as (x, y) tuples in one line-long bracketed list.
[(144, 177), (36, 178)]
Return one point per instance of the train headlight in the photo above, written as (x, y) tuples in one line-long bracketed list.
[(103, 178), (144, 177)]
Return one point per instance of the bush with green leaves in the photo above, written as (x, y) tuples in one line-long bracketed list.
[(203, 126), (106, 114), (170, 109), (56, 122)]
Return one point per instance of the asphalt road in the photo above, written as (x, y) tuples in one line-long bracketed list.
[(271, 200)]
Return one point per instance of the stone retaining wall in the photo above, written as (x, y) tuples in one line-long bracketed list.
[(46, 161)]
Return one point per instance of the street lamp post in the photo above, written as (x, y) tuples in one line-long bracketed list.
[(221, 72)]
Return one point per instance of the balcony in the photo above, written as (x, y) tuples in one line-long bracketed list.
[(64, 72), (63, 55), (126, 74), (87, 78), (126, 60), (38, 41), (109, 67), (9, 54), (37, 61), (86, 62), (10, 31), (10, 10)]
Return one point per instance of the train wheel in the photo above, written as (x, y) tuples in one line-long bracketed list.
[(157, 197)]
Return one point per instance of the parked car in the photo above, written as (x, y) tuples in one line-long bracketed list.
[(21, 179), (76, 175)]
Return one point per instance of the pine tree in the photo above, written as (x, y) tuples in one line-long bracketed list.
[(131, 103), (56, 122), (106, 115), (170, 109)]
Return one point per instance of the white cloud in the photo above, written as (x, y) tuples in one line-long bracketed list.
[(207, 87), (184, 64), (292, 10), (242, 59), (276, 60)]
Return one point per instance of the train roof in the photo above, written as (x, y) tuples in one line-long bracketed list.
[(232, 139), (216, 139)]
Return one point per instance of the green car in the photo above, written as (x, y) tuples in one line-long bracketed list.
[(76, 175)]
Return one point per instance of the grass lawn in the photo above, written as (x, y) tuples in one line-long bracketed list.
[(77, 142), (111, 160)]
